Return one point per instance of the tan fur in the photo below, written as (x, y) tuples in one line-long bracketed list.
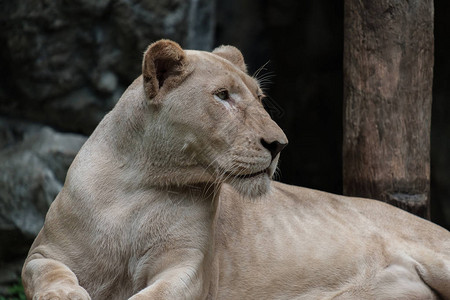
[(232, 54), (298, 243), (161, 203)]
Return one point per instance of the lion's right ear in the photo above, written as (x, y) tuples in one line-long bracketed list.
[(163, 61)]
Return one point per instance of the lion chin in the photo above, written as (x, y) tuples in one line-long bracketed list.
[(252, 186)]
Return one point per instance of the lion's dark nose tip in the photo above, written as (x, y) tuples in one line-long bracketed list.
[(274, 147)]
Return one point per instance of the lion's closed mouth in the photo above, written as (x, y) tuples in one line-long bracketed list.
[(251, 175)]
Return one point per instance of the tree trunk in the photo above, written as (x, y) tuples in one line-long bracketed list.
[(388, 75)]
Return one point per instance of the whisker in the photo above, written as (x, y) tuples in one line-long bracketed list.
[(263, 67)]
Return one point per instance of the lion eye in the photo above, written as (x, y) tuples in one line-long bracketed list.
[(223, 95)]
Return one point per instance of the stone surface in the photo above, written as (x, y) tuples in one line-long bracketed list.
[(34, 160), (66, 63), (10, 277)]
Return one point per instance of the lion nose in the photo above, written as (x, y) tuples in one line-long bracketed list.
[(274, 147)]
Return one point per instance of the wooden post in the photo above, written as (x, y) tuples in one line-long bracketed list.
[(388, 76)]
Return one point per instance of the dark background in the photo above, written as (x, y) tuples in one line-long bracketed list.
[(64, 64)]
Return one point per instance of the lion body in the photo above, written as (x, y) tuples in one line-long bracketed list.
[(108, 229), (298, 243), (156, 206)]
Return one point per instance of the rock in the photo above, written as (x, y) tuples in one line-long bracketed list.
[(10, 278), (54, 51), (106, 82), (34, 160)]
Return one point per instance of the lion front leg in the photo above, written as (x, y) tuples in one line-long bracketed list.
[(179, 283), (45, 278), (179, 274)]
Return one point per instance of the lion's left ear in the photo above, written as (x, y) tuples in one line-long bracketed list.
[(233, 55), (163, 60)]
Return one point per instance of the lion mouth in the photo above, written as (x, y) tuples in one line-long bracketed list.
[(246, 176)]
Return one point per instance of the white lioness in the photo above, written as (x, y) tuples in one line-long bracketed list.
[(155, 206)]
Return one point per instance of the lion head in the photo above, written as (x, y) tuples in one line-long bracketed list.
[(201, 120)]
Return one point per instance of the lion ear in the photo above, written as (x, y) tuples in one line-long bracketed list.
[(233, 55), (163, 60)]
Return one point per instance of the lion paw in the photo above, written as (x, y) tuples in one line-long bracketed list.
[(63, 294)]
